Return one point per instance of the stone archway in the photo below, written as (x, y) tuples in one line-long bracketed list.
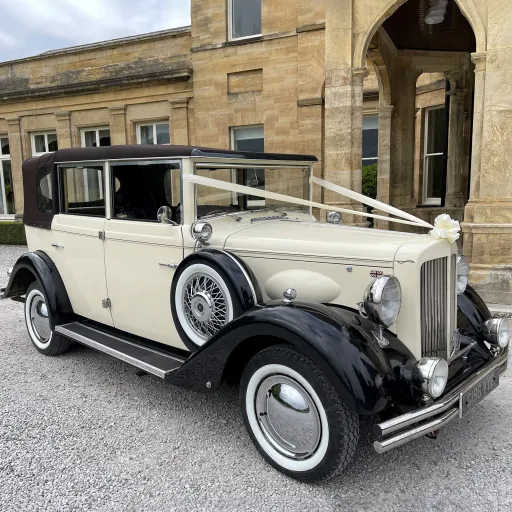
[(388, 7)]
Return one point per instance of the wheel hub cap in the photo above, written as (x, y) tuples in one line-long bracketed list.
[(40, 319), (205, 305), (288, 417), (202, 306)]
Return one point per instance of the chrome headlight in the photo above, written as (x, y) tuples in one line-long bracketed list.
[(382, 300), (498, 330), (462, 274), (202, 231), (434, 372)]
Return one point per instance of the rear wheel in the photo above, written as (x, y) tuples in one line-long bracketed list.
[(37, 319), (295, 417)]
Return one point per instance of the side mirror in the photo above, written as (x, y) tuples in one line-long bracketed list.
[(333, 218), (164, 215)]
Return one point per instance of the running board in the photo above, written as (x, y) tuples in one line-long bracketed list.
[(150, 360)]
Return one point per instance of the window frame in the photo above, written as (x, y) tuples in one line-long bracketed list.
[(45, 134), (363, 159), (233, 129), (231, 27), (153, 124), (4, 214), (77, 165), (429, 201), (95, 129), (146, 161)]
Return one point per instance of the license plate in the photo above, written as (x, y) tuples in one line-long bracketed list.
[(478, 392)]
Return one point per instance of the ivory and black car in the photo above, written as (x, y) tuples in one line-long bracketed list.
[(308, 371)]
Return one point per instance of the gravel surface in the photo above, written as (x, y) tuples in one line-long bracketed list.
[(83, 432)]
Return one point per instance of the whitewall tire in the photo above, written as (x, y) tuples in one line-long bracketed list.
[(203, 301), (37, 319), (295, 417)]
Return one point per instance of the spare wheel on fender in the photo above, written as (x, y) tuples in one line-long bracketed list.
[(204, 298)]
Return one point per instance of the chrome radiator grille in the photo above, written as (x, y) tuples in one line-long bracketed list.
[(437, 306)]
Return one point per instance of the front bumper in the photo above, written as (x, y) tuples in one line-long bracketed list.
[(402, 429)]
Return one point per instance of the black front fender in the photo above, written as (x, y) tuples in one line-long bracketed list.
[(350, 358), (37, 266)]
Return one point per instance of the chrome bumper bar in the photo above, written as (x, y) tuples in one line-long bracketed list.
[(427, 419)]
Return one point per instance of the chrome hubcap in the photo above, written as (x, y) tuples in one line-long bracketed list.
[(39, 318), (205, 305), (288, 417)]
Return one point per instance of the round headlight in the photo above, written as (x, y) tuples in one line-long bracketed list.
[(498, 330), (382, 300), (434, 373), (202, 231), (462, 274)]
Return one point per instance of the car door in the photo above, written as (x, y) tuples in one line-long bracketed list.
[(141, 253), (77, 248)]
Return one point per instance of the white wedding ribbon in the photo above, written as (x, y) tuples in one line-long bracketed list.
[(371, 202), (242, 189)]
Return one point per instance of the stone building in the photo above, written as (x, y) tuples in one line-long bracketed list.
[(419, 86)]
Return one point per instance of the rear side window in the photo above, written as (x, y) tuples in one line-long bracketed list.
[(83, 190), (44, 191)]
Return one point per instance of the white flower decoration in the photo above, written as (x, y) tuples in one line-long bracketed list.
[(446, 227)]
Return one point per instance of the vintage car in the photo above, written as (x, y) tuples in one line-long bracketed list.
[(203, 265)]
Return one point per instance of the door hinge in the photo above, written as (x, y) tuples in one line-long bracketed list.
[(106, 304), (101, 235)]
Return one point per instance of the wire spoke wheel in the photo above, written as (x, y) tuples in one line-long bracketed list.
[(205, 305)]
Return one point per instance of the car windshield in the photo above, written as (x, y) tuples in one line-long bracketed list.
[(289, 181)]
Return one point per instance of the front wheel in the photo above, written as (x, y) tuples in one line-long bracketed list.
[(295, 417), (37, 318)]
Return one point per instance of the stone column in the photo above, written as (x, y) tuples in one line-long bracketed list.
[(118, 125), (17, 157), (480, 61), (384, 165), (455, 170), (63, 129), (403, 125), (344, 136), (178, 122)]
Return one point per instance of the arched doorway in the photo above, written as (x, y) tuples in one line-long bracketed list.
[(404, 40)]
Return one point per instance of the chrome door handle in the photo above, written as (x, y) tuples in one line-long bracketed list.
[(59, 246), (169, 265)]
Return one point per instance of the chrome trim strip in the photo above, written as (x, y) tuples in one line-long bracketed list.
[(388, 427), (244, 272), (409, 435), (112, 352)]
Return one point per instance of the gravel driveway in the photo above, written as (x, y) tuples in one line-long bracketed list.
[(83, 432)]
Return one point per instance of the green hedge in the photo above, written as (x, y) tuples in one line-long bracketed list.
[(370, 181), (12, 233)]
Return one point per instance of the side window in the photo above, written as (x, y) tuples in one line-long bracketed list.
[(83, 191), (141, 189), (44, 191)]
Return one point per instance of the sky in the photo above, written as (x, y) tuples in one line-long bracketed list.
[(30, 27)]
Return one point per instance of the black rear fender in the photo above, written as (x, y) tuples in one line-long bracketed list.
[(349, 357), (37, 266)]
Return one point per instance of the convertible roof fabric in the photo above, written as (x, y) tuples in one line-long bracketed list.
[(165, 151)]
